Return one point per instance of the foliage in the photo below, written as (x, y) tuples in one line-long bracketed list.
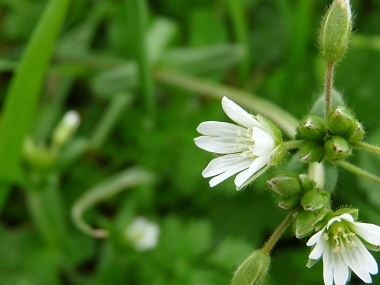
[(109, 63)]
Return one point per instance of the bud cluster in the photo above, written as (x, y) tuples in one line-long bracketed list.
[(331, 140), (299, 192)]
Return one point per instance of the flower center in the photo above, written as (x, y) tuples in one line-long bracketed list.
[(245, 138), (340, 238)]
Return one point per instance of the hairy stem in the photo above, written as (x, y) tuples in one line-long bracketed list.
[(358, 171), (328, 86), (271, 242), (368, 147)]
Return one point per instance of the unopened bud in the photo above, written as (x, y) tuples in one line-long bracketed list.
[(303, 224), (285, 184), (357, 133), (340, 121), (337, 148), (335, 31), (289, 203), (312, 152), (306, 181), (314, 200), (311, 128), (65, 129), (253, 270)]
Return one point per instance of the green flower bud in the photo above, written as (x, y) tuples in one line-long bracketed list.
[(253, 270), (311, 128), (314, 200), (285, 184), (356, 134), (337, 148), (340, 121), (289, 203), (306, 181), (312, 152), (335, 31), (277, 154), (303, 224), (38, 156)]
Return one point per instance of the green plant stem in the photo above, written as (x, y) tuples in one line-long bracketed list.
[(328, 86), (280, 117), (368, 147), (358, 171), (273, 239), (289, 145)]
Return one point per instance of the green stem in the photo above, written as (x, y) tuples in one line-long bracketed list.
[(368, 147), (267, 248), (289, 145), (358, 171), (328, 86), (283, 119)]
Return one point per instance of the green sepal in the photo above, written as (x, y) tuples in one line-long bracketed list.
[(341, 121), (356, 133), (285, 184), (311, 128), (276, 132), (314, 200), (307, 182), (351, 211), (253, 270), (308, 221), (289, 203), (277, 154), (312, 151), (337, 148)]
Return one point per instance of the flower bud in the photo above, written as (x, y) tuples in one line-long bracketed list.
[(337, 148), (306, 221), (285, 184), (314, 200), (356, 134), (289, 203), (253, 270), (312, 152), (335, 31), (65, 129), (311, 128), (340, 121), (39, 156), (306, 181)]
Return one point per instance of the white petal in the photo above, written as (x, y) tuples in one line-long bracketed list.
[(255, 166), (328, 267), (264, 143), (221, 145), (238, 114), (369, 232), (252, 178), (217, 179), (315, 238), (213, 128), (360, 261), (224, 163), (347, 217), (341, 272), (318, 250)]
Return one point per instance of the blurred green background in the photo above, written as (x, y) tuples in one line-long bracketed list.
[(129, 67)]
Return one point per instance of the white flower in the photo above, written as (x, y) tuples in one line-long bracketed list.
[(246, 149), (142, 234), (66, 128), (343, 242)]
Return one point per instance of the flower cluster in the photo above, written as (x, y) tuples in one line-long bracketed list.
[(251, 146)]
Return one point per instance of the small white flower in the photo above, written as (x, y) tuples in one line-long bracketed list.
[(247, 148), (66, 128), (142, 234), (343, 242)]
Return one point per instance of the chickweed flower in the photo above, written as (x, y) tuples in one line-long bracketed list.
[(343, 244), (142, 234), (66, 128), (249, 148)]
